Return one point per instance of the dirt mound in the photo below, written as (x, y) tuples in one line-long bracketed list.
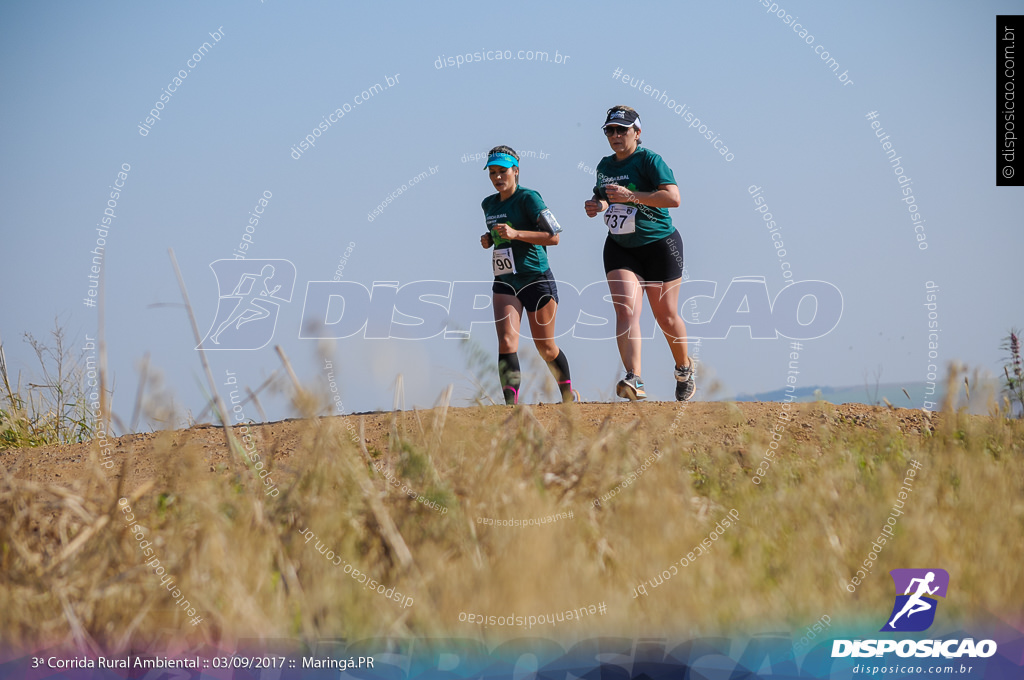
[(708, 424)]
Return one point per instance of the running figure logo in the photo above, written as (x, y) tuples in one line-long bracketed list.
[(247, 315), (915, 611)]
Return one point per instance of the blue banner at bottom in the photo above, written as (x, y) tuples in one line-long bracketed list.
[(996, 655)]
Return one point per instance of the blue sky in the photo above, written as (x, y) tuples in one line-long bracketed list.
[(79, 79)]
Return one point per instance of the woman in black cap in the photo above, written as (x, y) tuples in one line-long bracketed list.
[(643, 250), (519, 228)]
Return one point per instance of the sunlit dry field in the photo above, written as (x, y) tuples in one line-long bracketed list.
[(418, 501)]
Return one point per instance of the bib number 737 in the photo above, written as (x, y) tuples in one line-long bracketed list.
[(620, 218), (503, 262)]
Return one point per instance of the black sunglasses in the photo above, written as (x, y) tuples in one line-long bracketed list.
[(615, 129)]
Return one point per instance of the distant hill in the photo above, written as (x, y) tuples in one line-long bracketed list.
[(873, 395)]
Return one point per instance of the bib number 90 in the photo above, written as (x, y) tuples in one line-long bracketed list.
[(503, 262)]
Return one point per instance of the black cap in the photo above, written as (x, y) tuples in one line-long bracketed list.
[(622, 118)]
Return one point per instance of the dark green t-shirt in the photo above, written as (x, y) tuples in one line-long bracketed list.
[(521, 211), (644, 170)]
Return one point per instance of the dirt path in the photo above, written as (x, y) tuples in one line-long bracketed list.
[(707, 424)]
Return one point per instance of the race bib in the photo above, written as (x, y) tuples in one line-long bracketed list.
[(503, 262), (620, 218)]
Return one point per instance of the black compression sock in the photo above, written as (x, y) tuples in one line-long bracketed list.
[(508, 373), (560, 369)]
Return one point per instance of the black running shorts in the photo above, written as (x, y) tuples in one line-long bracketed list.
[(534, 295), (661, 260)]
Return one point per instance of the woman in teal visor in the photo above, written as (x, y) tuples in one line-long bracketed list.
[(519, 229)]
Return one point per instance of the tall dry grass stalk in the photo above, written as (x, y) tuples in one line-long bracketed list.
[(1013, 370)]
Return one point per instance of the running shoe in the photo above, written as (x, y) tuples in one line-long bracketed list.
[(631, 387), (685, 385)]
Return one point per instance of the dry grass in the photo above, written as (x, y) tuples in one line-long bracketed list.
[(72, 570), (54, 406)]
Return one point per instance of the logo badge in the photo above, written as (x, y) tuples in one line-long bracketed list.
[(916, 590), (251, 293)]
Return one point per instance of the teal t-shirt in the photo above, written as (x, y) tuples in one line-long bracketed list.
[(644, 170), (521, 211)]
